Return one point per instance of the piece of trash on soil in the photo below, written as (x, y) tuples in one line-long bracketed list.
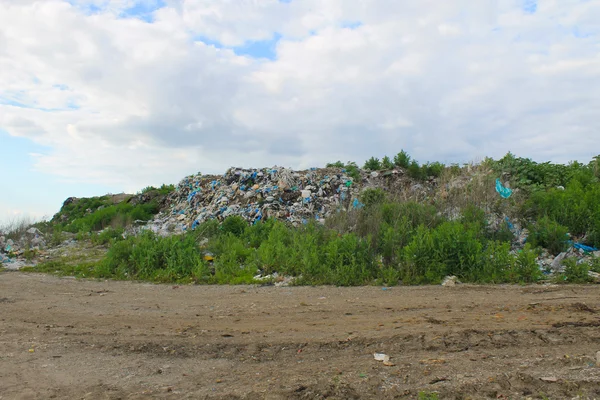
[(450, 281), (383, 357), (549, 379)]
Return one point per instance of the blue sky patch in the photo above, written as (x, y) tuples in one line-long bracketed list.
[(351, 24), (260, 48), (530, 6), (143, 10), (209, 42)]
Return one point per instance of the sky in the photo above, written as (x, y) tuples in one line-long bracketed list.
[(110, 96)]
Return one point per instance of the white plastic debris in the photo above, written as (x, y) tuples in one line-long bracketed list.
[(450, 281)]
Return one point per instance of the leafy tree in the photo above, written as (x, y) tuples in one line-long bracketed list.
[(402, 159), (373, 164), (386, 163)]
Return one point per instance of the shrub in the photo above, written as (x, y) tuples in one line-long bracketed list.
[(234, 224), (402, 160), (550, 235), (353, 171), (415, 171), (386, 163), (373, 164), (154, 258), (337, 164), (576, 272), (434, 169), (108, 235), (369, 197), (525, 268)]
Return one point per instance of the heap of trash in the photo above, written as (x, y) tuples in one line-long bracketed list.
[(257, 194), (12, 251)]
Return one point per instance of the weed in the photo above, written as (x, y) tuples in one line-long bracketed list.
[(427, 396), (575, 272), (525, 268)]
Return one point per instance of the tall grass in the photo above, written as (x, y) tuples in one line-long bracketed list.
[(389, 243)]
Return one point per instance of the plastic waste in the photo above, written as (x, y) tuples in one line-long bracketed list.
[(503, 191), (584, 247)]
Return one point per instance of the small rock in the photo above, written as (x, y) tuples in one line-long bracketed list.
[(549, 379)]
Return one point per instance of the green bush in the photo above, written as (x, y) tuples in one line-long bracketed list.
[(576, 272), (402, 160), (154, 258), (353, 171), (415, 171), (108, 235), (549, 234), (116, 216), (525, 268), (373, 164), (370, 197), (434, 169), (576, 207), (386, 163), (234, 224)]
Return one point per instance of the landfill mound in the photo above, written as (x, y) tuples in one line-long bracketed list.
[(281, 193)]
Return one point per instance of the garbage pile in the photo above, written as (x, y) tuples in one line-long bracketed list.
[(257, 194), (11, 251), (582, 254)]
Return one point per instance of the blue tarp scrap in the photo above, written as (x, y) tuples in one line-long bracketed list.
[(357, 204), (502, 190), (195, 224), (191, 195), (583, 247)]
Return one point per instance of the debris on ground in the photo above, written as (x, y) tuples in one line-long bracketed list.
[(450, 281), (383, 357)]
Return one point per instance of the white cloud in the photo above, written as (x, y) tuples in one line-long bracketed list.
[(126, 102)]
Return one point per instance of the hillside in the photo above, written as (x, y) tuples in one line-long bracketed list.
[(390, 222)]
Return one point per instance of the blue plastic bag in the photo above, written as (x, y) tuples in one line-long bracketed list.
[(584, 247), (502, 190)]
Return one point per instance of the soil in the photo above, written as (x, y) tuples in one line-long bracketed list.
[(76, 339)]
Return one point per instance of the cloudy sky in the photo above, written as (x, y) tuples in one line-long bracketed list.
[(107, 96)]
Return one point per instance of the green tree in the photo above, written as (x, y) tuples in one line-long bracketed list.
[(402, 159), (386, 163), (373, 164)]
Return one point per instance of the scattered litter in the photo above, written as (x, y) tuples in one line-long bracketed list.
[(502, 190), (584, 247), (381, 357), (450, 281)]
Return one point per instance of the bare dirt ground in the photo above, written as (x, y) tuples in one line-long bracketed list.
[(66, 338)]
